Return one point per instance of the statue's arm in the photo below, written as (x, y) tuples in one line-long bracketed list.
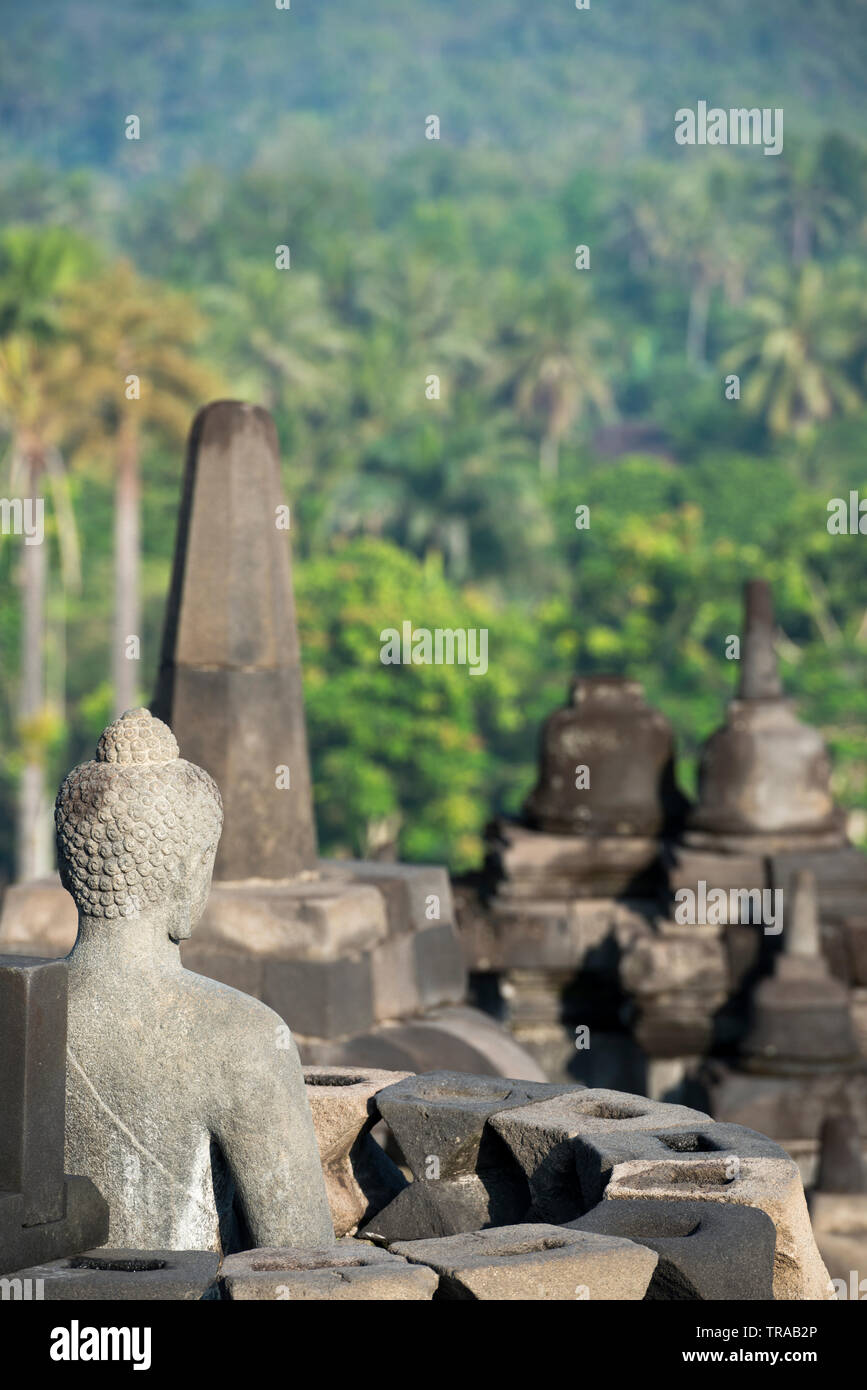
[(265, 1129)]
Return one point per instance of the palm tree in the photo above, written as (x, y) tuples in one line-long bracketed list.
[(706, 243), (129, 327), (275, 331), (798, 347), (636, 213), (810, 193), (553, 348), (40, 393)]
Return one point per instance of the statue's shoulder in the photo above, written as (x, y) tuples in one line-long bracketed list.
[(228, 1015)]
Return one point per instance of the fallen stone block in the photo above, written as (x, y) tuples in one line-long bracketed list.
[(542, 1137), (534, 1263), (137, 1275), (360, 1178), (348, 1270), (706, 1251), (771, 1184)]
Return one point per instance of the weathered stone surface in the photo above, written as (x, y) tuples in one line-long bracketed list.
[(360, 1178), (841, 1157), (705, 1251), (304, 919), (439, 966), (32, 1085), (759, 673), (347, 1270), (461, 1039), (688, 867), (43, 1212), (549, 934), (450, 1206), (596, 1155), (841, 878), (838, 1205), (444, 1115), (628, 748), (771, 1184), (185, 1099), (856, 935), (535, 1263), (84, 1222), (527, 863), (324, 999), (230, 672), (396, 992), (840, 1226), (242, 925), (677, 978), (417, 895), (137, 1275), (542, 1139), (787, 1108), (800, 1014), (465, 1177), (545, 1009)]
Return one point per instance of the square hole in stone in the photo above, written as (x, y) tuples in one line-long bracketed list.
[(688, 1143), (130, 1266)]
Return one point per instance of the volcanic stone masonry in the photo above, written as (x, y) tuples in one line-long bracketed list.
[(206, 1165), (612, 1197), (570, 925)]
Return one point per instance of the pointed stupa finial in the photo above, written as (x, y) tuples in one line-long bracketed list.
[(760, 677)]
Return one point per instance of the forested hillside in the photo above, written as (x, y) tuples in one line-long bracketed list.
[(602, 387)]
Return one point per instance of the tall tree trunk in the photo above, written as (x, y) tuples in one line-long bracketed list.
[(696, 328), (801, 238), (33, 841), (126, 569), (549, 456)]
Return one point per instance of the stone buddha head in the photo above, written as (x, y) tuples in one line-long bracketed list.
[(138, 829)]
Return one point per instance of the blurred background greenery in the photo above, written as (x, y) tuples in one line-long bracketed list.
[(410, 257)]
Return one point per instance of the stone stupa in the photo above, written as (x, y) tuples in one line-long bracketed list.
[(799, 1057), (576, 875), (765, 811)]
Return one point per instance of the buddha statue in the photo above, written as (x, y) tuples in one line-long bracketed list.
[(186, 1102)]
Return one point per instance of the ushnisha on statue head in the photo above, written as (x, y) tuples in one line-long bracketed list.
[(138, 829)]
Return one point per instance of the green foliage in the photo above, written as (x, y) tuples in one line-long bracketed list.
[(558, 388)]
